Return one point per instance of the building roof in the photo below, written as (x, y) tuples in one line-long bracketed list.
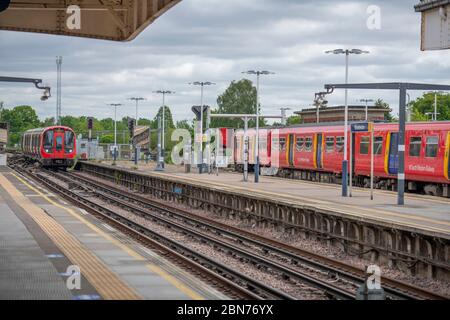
[(425, 5), (107, 20), (337, 108)]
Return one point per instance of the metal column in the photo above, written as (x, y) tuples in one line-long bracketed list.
[(401, 146)]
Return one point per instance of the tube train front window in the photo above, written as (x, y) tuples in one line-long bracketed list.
[(48, 141), (69, 141), (59, 145)]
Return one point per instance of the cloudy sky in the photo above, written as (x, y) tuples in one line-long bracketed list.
[(215, 40)]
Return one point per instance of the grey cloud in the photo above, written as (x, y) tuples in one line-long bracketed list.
[(215, 40)]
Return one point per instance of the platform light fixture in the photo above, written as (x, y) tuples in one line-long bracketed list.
[(115, 105), (258, 75), (347, 53), (201, 84), (163, 140)]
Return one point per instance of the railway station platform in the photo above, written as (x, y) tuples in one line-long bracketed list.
[(50, 250)]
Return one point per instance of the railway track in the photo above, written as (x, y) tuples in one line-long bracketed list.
[(333, 269), (330, 291), (270, 254), (231, 282)]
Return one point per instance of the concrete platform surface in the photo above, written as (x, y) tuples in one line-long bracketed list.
[(42, 238)]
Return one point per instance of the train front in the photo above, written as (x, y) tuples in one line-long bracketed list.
[(58, 147)]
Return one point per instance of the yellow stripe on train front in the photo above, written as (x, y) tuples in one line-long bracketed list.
[(315, 151), (447, 156), (386, 156)]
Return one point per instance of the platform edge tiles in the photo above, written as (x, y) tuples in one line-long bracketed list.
[(102, 274), (108, 284)]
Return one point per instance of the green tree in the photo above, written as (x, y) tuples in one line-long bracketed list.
[(380, 103), (48, 122), (425, 104), (238, 98), (109, 138), (168, 118), (20, 119)]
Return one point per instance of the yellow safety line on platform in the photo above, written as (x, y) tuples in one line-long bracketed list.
[(325, 204), (159, 271), (107, 283)]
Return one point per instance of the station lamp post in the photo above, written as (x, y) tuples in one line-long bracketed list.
[(347, 53), (115, 105), (258, 74), (136, 99), (366, 101), (136, 151), (163, 139), (434, 115), (283, 115), (200, 152)]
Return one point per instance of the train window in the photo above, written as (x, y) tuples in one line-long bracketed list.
[(48, 139), (300, 144), (340, 144), (431, 149), (59, 143), (308, 144), (69, 139), (263, 142), (329, 144), (378, 145), (415, 145), (364, 145), (282, 144), (275, 144)]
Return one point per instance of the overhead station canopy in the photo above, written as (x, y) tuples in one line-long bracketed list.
[(117, 20), (435, 34)]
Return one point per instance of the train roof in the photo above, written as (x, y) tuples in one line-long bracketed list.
[(418, 125)]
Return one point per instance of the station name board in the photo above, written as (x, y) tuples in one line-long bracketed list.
[(362, 127)]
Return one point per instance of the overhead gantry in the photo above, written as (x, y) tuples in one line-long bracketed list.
[(117, 20)]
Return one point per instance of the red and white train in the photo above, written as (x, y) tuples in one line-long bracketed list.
[(316, 153), (51, 146)]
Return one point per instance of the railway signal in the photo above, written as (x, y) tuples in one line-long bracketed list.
[(90, 123), (131, 127)]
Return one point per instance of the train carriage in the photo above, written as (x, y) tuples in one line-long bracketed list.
[(264, 147), (52, 146), (316, 153)]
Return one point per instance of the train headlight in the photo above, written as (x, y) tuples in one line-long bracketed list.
[(48, 150)]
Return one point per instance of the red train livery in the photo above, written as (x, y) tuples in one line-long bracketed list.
[(51, 146), (316, 152)]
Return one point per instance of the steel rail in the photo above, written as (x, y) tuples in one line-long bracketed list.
[(239, 283), (330, 290), (393, 288)]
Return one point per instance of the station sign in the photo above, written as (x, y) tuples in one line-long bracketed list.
[(362, 127)]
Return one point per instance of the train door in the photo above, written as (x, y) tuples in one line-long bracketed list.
[(319, 150), (393, 153), (59, 144), (291, 150), (353, 151), (447, 157)]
